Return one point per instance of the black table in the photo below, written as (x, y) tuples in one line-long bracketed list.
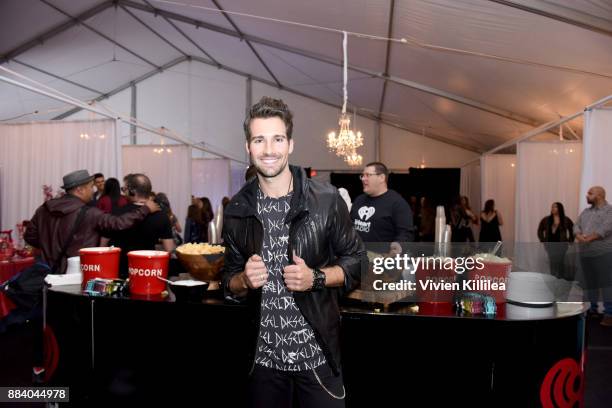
[(128, 350)]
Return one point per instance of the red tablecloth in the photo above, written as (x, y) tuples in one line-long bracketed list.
[(8, 269)]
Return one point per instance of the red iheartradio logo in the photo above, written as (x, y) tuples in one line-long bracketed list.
[(563, 386)]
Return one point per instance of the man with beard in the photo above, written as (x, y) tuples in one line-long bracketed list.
[(290, 252), (593, 232)]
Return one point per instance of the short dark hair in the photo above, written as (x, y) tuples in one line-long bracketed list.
[(380, 169), (98, 175), (268, 107), (250, 172), (139, 184)]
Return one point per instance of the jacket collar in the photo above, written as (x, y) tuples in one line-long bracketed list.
[(244, 203)]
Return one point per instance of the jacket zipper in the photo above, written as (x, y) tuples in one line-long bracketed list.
[(297, 222), (259, 313)]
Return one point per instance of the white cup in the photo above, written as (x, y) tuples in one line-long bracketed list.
[(74, 265)]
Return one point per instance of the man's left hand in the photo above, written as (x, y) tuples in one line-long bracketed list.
[(298, 277), (153, 206), (592, 237)]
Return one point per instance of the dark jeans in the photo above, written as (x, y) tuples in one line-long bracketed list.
[(556, 254), (284, 389), (597, 271)]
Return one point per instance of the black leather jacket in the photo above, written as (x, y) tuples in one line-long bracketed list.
[(320, 232)]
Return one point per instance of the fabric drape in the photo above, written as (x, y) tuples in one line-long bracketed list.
[(41, 153)]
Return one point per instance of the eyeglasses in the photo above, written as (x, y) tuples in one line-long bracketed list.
[(368, 175)]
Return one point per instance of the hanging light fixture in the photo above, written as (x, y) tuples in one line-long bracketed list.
[(353, 159), (86, 135), (162, 149), (346, 142)]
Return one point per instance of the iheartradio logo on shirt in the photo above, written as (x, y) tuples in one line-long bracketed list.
[(365, 213)]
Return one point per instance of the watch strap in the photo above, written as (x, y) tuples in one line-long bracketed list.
[(318, 282)]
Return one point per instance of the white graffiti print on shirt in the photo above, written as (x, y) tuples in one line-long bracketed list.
[(286, 340)]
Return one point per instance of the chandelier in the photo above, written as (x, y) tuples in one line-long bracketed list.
[(354, 159), (86, 136), (163, 148), (346, 142)]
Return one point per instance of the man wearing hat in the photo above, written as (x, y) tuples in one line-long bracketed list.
[(57, 219)]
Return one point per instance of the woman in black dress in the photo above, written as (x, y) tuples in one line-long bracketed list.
[(462, 218), (490, 221), (556, 231)]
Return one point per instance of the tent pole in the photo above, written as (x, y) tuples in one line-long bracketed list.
[(547, 126)]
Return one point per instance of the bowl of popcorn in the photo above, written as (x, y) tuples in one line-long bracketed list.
[(202, 260)]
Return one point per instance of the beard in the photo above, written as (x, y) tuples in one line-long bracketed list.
[(269, 172)]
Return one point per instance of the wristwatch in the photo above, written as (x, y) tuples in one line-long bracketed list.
[(318, 281)]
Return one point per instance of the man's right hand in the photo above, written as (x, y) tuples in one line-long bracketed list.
[(152, 205), (255, 272)]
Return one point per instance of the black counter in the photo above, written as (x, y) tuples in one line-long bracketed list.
[(128, 350)]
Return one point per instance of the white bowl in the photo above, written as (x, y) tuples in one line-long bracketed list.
[(531, 288), (526, 313)]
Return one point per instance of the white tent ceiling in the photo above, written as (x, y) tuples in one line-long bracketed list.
[(474, 72)]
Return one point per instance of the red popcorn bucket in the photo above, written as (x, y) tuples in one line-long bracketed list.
[(436, 309), (491, 277), (100, 262), (145, 268), (435, 280)]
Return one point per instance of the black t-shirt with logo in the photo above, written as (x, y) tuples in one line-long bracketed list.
[(142, 236), (385, 218), (286, 340)]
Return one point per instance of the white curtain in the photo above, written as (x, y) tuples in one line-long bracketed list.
[(37, 154), (170, 173), (471, 188), (238, 170), (211, 178), (499, 183), (547, 172), (597, 151)]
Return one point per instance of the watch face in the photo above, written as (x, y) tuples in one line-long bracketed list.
[(319, 280)]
